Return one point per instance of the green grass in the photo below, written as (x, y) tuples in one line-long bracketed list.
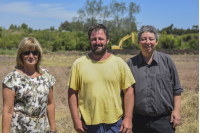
[(8, 52)]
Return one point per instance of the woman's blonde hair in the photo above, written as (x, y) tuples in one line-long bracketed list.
[(26, 44)]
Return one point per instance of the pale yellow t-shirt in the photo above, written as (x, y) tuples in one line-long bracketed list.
[(99, 84)]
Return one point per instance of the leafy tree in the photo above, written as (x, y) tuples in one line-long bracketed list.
[(194, 44), (195, 27), (117, 11), (52, 28), (69, 41), (167, 41), (30, 30), (132, 9), (76, 25), (64, 25), (169, 29), (105, 13), (11, 26), (1, 31), (15, 27), (24, 26), (90, 11), (18, 28), (82, 42)]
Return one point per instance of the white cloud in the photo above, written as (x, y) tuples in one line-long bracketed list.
[(42, 10)]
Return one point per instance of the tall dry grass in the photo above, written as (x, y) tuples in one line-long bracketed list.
[(189, 115)]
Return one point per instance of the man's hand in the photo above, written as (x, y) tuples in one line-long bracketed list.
[(175, 117), (126, 126), (80, 126)]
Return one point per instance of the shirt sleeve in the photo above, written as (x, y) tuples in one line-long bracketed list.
[(177, 88), (127, 77), (9, 81), (51, 78), (73, 81)]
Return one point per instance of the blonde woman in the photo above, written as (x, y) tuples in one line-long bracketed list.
[(28, 92)]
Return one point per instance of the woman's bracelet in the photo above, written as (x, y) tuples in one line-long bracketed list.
[(53, 131)]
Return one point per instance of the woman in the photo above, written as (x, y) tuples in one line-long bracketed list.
[(28, 92), (157, 89)]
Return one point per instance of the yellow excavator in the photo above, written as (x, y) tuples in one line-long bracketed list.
[(123, 39)]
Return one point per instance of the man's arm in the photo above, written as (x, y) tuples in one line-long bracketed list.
[(126, 125), (175, 116), (73, 105)]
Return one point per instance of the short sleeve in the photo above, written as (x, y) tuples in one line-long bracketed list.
[(51, 78), (9, 81), (73, 81), (127, 76)]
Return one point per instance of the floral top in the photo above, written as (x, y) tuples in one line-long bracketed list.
[(31, 94)]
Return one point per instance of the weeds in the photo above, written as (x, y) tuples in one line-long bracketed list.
[(8, 52), (189, 113)]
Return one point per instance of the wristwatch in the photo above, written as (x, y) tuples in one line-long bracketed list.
[(53, 131)]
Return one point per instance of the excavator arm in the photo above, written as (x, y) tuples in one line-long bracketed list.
[(123, 39)]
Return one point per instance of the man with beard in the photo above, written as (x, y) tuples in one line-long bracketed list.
[(95, 83)]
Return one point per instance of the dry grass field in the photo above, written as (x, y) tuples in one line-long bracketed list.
[(59, 64)]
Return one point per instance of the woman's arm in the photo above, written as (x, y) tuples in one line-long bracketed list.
[(175, 116), (51, 110), (126, 125), (8, 107)]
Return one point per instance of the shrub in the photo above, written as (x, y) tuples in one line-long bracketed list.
[(193, 44), (167, 41), (186, 37)]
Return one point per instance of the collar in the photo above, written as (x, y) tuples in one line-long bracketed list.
[(140, 58), (155, 57)]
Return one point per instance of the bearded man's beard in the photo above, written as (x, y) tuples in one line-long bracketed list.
[(99, 52)]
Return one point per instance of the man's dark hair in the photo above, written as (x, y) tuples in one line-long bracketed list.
[(97, 27)]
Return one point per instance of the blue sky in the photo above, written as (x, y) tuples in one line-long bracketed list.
[(41, 14)]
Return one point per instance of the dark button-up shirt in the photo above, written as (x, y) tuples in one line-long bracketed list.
[(155, 85)]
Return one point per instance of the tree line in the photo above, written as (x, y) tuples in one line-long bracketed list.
[(117, 17), (171, 30)]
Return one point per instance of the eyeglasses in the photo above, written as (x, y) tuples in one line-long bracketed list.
[(33, 52)]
